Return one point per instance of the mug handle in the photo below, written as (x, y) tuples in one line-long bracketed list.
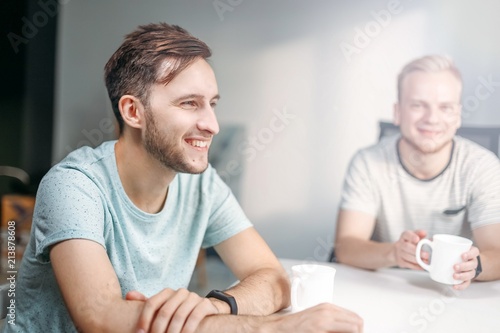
[(417, 253), (294, 290)]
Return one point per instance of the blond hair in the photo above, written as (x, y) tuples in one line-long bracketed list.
[(428, 64)]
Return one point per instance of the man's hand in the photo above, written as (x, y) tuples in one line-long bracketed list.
[(466, 271), (404, 249), (172, 311), (318, 319)]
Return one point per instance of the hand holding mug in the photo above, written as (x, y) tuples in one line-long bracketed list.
[(447, 253), (466, 271), (404, 249)]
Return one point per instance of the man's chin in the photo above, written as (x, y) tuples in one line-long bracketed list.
[(192, 169), (199, 171), (427, 145), (432, 148)]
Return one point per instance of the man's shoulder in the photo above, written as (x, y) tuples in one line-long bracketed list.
[(468, 151), (472, 161), (384, 149), (87, 155), (84, 161)]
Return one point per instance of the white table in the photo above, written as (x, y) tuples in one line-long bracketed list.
[(407, 301)]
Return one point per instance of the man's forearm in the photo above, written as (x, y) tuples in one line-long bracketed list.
[(490, 262), (318, 319), (122, 316), (262, 293), (364, 253), (257, 324), (233, 324)]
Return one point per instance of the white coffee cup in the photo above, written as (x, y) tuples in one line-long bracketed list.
[(447, 251), (312, 284)]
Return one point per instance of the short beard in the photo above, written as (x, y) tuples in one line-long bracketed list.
[(164, 148), (429, 147)]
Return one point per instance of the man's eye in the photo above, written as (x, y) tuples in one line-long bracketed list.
[(447, 108), (213, 105), (188, 103)]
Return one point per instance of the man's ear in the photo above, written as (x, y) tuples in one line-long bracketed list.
[(132, 111), (396, 114)]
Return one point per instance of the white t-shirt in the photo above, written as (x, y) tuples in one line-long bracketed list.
[(464, 196)]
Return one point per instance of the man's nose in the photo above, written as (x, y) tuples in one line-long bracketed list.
[(208, 121), (432, 114)]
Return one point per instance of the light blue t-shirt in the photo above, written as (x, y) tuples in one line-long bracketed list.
[(82, 197)]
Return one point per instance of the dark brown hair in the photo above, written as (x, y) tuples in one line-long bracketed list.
[(137, 64)]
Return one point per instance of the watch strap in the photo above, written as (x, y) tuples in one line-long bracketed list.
[(222, 296), (479, 268)]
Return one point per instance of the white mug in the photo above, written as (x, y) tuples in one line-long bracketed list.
[(312, 284), (447, 251)]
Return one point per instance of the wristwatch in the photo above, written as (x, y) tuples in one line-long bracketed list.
[(222, 296), (479, 268)]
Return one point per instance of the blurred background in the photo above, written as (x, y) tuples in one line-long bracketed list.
[(306, 82)]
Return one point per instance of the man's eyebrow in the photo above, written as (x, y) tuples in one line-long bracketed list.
[(194, 96)]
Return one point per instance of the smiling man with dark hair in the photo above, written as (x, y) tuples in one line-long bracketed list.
[(117, 229)]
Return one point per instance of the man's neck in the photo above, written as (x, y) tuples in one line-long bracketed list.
[(143, 178), (422, 165)]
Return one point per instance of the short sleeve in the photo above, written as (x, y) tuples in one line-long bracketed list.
[(68, 206), (227, 217), (359, 190), (484, 201)]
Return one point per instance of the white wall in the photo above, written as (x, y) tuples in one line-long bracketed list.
[(285, 57)]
